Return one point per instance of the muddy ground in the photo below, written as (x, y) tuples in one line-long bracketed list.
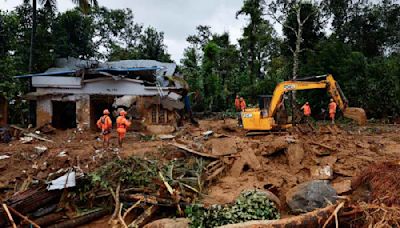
[(275, 162)]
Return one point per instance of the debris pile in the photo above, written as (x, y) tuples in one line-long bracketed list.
[(382, 179), (205, 169)]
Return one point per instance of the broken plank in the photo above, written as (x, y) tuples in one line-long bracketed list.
[(18, 128), (144, 217), (149, 199), (38, 137), (183, 147), (10, 218), (84, 219), (215, 173), (23, 217)]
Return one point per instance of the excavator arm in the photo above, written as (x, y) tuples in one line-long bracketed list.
[(328, 83)]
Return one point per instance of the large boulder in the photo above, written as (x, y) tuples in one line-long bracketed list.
[(310, 195)]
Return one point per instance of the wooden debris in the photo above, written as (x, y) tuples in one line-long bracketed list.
[(120, 219), (130, 209), (334, 214), (115, 196), (24, 217), (311, 219), (149, 199), (32, 199), (323, 145), (144, 217), (38, 137), (183, 147), (84, 219), (216, 173), (169, 188), (49, 219), (9, 215)]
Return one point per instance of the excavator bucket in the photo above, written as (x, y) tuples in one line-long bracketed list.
[(357, 114)]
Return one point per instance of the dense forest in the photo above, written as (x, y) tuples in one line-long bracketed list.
[(356, 41)]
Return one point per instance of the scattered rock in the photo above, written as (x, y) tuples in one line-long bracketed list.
[(246, 158), (62, 154), (169, 223), (329, 160), (4, 157), (310, 195), (321, 173), (251, 159), (295, 155), (25, 140), (160, 129), (272, 147), (223, 146), (40, 149), (342, 186), (237, 167), (165, 137), (207, 133)]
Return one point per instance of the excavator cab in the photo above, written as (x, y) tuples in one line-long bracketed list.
[(263, 104)]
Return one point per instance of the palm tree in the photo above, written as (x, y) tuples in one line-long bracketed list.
[(84, 5)]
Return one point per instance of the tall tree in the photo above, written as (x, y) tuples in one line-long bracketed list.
[(281, 10), (258, 36), (83, 4)]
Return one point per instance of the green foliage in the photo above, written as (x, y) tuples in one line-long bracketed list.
[(132, 171), (250, 205), (74, 34)]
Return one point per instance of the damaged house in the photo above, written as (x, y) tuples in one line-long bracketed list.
[(75, 93)]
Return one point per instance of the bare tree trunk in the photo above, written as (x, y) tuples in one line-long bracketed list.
[(33, 33), (296, 54)]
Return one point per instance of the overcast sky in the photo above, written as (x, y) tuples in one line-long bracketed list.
[(176, 18)]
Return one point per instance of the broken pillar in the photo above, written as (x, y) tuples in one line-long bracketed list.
[(43, 111), (83, 112)]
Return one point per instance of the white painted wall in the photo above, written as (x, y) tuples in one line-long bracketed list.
[(107, 87), (56, 82)]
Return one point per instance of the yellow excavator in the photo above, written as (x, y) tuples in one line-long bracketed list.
[(264, 117)]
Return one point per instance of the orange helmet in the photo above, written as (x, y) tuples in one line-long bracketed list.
[(106, 112), (122, 113)]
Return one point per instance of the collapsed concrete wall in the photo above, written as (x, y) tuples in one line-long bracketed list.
[(63, 111)]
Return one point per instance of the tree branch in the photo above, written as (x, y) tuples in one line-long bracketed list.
[(281, 23)]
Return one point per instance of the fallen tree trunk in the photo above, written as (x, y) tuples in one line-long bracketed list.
[(81, 220), (49, 219), (144, 217), (32, 199), (311, 219)]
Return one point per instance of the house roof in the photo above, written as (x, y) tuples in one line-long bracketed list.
[(74, 67)]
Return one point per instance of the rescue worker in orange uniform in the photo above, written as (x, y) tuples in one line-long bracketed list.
[(105, 124), (237, 108), (306, 110), (122, 125), (332, 110), (237, 103), (242, 105)]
